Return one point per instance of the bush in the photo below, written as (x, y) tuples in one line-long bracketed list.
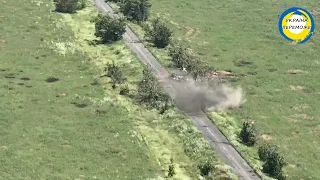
[(124, 90), (137, 10), (82, 4), (159, 34), (66, 6), (180, 57), (113, 71), (264, 151), (108, 28), (273, 161), (150, 92), (205, 168), (248, 133), (171, 170)]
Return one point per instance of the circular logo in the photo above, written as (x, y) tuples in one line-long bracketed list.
[(296, 25)]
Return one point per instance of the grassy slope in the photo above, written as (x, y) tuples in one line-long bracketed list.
[(168, 136), (49, 137), (284, 105)]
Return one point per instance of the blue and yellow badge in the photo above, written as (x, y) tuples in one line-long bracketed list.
[(296, 25)]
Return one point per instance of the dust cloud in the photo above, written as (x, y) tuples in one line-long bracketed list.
[(194, 96)]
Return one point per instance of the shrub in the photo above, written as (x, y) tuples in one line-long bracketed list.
[(108, 28), (150, 92), (205, 168), (124, 90), (273, 161), (82, 4), (115, 1), (159, 34), (171, 170), (66, 6), (137, 10), (180, 57), (248, 133), (113, 71), (264, 151)]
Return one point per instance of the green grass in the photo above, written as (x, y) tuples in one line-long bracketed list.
[(171, 135), (48, 137), (59, 120), (283, 104)]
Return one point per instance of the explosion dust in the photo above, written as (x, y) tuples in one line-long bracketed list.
[(193, 96)]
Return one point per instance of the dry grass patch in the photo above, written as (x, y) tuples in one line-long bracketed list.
[(301, 107), (298, 88), (296, 71)]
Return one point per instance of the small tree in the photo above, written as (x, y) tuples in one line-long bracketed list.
[(273, 161), (113, 71), (109, 29), (171, 170), (264, 151), (115, 1), (159, 34), (205, 168), (66, 6), (82, 4), (137, 10), (248, 133), (150, 92), (124, 90), (180, 57)]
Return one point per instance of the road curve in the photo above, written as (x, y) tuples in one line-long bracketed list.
[(211, 133)]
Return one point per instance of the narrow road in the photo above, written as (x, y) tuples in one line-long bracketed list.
[(212, 134)]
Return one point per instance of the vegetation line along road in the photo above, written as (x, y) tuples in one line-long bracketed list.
[(210, 131)]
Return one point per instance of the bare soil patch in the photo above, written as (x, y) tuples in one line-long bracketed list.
[(266, 137)]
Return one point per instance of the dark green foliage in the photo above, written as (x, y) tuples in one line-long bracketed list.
[(66, 6), (115, 1), (109, 29), (159, 34), (82, 4), (137, 10), (273, 161), (265, 150), (171, 170), (150, 92), (248, 133), (181, 57), (205, 168), (124, 90), (113, 71)]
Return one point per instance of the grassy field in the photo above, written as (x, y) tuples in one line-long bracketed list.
[(280, 79), (59, 120)]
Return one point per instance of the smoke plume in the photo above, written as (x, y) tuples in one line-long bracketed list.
[(193, 96)]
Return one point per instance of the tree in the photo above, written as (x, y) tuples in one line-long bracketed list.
[(171, 170), (124, 90), (179, 56), (273, 161), (205, 168), (137, 10), (66, 6), (113, 71), (82, 4), (159, 34), (248, 133), (150, 92), (108, 28)]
